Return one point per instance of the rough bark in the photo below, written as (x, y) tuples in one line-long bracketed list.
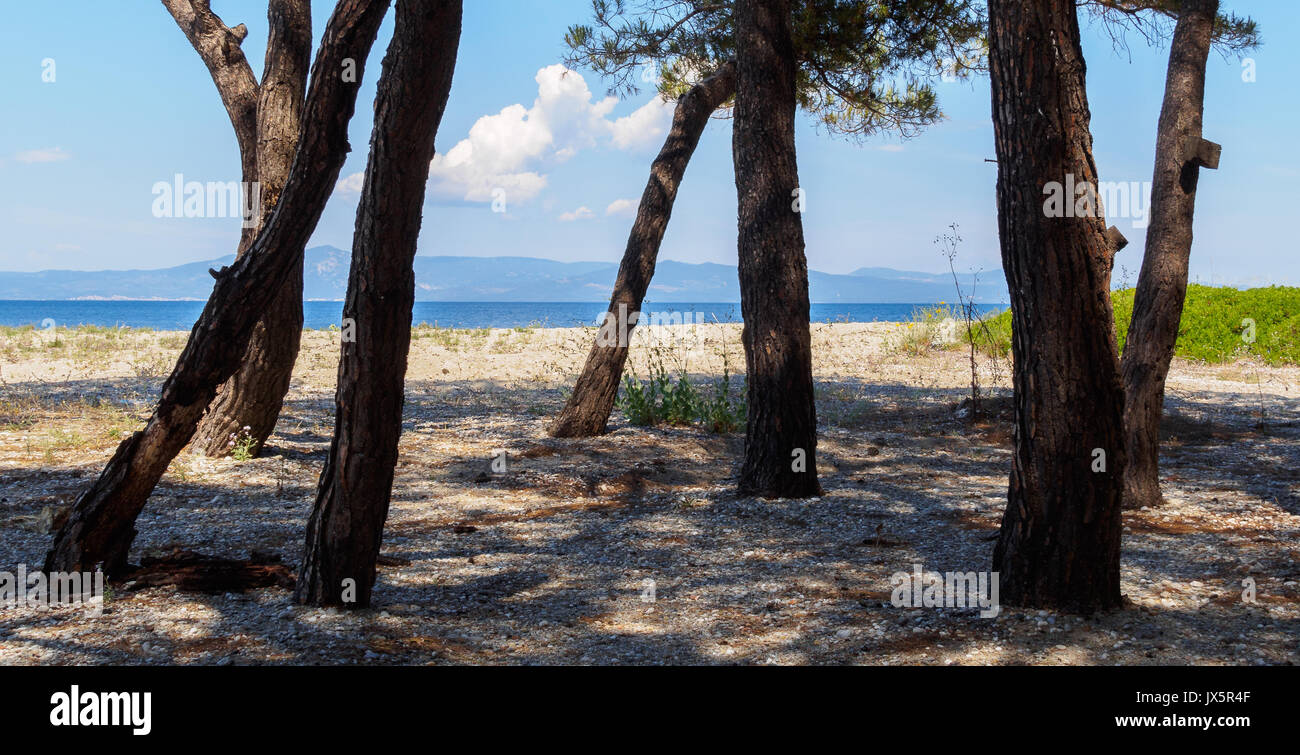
[(587, 410), (781, 431), (253, 396), (1162, 284), (346, 524), (101, 526), (248, 404), (1059, 544)]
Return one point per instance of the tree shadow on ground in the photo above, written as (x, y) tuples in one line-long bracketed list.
[(549, 561)]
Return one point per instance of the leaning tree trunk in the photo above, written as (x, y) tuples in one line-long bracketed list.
[(101, 526), (587, 410), (347, 521), (247, 406), (253, 396), (1162, 284), (1060, 539), (781, 431)]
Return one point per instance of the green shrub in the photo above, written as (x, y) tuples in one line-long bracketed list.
[(924, 332), (681, 402), (1214, 326), (991, 334), (720, 413), (638, 402), (663, 398)]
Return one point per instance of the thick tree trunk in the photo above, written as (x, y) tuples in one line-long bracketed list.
[(587, 410), (781, 432), (1162, 284), (1060, 540), (347, 521), (247, 406), (253, 396), (101, 526)]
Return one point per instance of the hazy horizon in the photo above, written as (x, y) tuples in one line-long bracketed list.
[(79, 198)]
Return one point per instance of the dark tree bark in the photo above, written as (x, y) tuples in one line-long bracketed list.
[(1060, 539), (266, 118), (101, 526), (1162, 284), (781, 432), (587, 410), (347, 521)]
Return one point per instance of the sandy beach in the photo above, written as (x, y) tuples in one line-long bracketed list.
[(633, 547)]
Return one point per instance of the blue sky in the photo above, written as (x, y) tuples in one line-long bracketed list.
[(132, 105)]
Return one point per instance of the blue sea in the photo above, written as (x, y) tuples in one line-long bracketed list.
[(180, 315)]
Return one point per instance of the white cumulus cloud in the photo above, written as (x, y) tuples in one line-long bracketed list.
[(510, 150), (621, 207), (582, 213), (646, 127)]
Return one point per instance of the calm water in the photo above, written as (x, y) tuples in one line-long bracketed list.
[(180, 315)]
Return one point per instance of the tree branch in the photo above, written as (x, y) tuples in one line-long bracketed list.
[(281, 95), (1231, 34), (218, 46)]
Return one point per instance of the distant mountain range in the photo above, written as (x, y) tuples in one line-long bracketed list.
[(502, 279)]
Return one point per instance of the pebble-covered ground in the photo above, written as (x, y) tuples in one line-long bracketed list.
[(632, 548)]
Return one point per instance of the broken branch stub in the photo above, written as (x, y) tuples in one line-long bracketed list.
[(1115, 239), (1206, 152)]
